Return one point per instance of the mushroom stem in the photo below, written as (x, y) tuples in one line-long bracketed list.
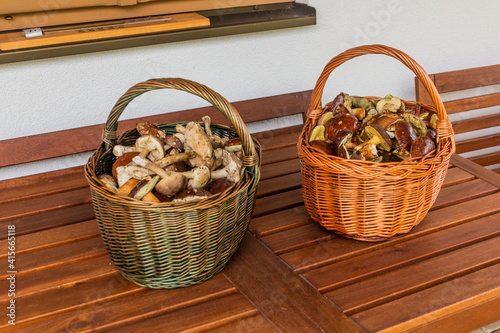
[(140, 160), (207, 121), (119, 150), (171, 159)]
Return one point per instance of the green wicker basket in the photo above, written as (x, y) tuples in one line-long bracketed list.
[(170, 245)]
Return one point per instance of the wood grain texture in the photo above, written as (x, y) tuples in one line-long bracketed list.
[(84, 139)]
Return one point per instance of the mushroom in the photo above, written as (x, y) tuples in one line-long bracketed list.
[(124, 173), (126, 188), (417, 123), (179, 166), (215, 140), (340, 122), (150, 145), (234, 145), (143, 187), (402, 153), (174, 158), (191, 194), (232, 167), (389, 104), (318, 133), (359, 113), (109, 181), (404, 134), (173, 141), (337, 105), (422, 146), (123, 160), (198, 141), (377, 136), (119, 150), (198, 176), (151, 129), (369, 151), (342, 143), (322, 146), (218, 185)]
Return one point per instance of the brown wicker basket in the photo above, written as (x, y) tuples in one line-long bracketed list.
[(169, 245), (366, 200)]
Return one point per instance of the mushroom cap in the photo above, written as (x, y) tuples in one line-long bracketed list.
[(143, 187), (417, 123), (422, 146), (171, 185), (152, 143), (190, 194), (323, 146), (197, 140), (339, 144), (339, 122), (369, 151), (150, 129), (233, 145), (173, 142), (337, 105), (122, 161), (218, 185), (374, 130), (401, 153), (385, 119), (405, 134), (201, 177)]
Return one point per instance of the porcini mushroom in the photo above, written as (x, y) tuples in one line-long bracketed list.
[(120, 150), (417, 123), (340, 122), (342, 143), (422, 146), (150, 145), (123, 160), (215, 140), (143, 187), (218, 185), (151, 129), (232, 167), (318, 133), (124, 173), (198, 176), (322, 146), (197, 140), (404, 134), (377, 136), (109, 181), (191, 194)]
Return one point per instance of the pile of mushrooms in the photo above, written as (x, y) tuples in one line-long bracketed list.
[(384, 130), (190, 164)]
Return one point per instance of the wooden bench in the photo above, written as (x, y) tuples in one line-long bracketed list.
[(289, 273), (463, 110)]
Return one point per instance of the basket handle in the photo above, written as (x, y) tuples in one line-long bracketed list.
[(444, 129), (109, 138)]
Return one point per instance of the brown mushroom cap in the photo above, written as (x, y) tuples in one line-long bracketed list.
[(405, 134), (218, 185), (340, 122), (323, 146), (123, 160), (171, 185), (337, 105), (378, 136), (340, 142), (190, 194), (422, 146)]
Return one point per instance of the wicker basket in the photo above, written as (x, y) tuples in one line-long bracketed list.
[(169, 245), (366, 200)]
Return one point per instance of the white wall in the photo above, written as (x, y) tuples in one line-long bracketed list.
[(61, 93)]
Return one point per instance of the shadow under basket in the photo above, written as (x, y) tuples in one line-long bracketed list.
[(373, 201), (170, 245)]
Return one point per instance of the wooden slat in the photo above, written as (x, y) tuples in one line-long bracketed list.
[(290, 292), (84, 139), (49, 219), (474, 124), (389, 258), (462, 192), (280, 183), (478, 143), (467, 104), (55, 236), (17, 209), (421, 94), (467, 78), (473, 168), (276, 202), (201, 317), (31, 262), (256, 323), (283, 154), (325, 251), (61, 276), (280, 168), (486, 159), (456, 176), (398, 283), (123, 311), (279, 221), (457, 296)]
